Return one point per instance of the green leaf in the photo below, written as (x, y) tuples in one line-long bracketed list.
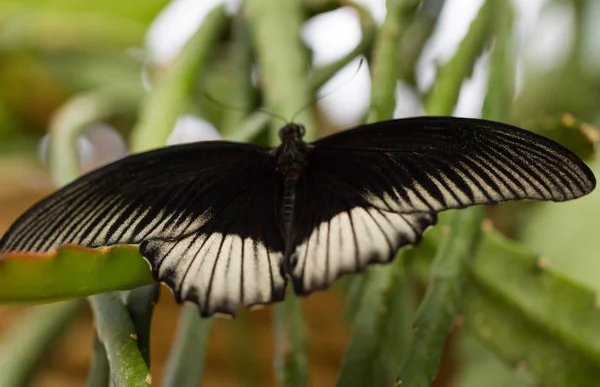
[(117, 333), (567, 236), (435, 317), (70, 272), (532, 316), (143, 12), (381, 315), (52, 30), (186, 360), (22, 348)]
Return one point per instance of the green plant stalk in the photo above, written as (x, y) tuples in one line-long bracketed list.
[(171, 91), (241, 90), (291, 364), (283, 60), (539, 319), (75, 116), (417, 34), (99, 373), (117, 333), (385, 60), (244, 360), (67, 126), (501, 81), (257, 121), (23, 347), (444, 92), (369, 31), (381, 321), (140, 304), (186, 360), (434, 317), (145, 14), (51, 30), (320, 6)]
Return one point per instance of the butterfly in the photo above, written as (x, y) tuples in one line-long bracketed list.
[(225, 224)]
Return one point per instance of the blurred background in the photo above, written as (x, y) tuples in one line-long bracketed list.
[(53, 53)]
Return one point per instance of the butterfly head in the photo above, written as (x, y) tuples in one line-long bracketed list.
[(291, 132)]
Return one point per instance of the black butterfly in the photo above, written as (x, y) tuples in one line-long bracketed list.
[(225, 224)]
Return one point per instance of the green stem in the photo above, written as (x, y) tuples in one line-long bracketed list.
[(186, 360), (381, 321), (23, 347), (117, 333), (140, 304), (170, 94), (369, 30), (257, 121), (241, 93), (244, 359), (290, 362), (282, 59), (444, 92), (435, 315), (99, 374), (500, 89), (417, 34), (75, 116), (385, 61)]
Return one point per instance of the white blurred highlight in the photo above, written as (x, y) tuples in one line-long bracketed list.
[(190, 129), (97, 145), (334, 34)]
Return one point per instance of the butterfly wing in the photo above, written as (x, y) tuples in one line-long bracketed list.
[(389, 179), (205, 216), (336, 231)]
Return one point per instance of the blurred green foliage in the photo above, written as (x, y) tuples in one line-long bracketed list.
[(56, 53)]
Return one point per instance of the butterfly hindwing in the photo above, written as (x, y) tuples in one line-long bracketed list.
[(433, 164), (338, 232), (205, 215), (235, 258)]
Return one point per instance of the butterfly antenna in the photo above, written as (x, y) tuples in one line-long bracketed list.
[(223, 106), (336, 89)]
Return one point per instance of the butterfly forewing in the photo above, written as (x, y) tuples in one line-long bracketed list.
[(204, 213), (433, 164)]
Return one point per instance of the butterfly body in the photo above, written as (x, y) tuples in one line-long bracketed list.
[(224, 224)]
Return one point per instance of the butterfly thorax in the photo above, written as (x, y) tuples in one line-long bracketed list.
[(291, 154), (291, 159)]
